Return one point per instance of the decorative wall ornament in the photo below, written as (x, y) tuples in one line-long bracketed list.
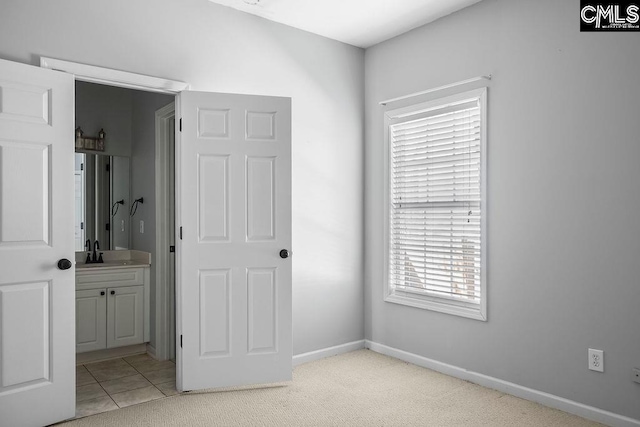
[(93, 143)]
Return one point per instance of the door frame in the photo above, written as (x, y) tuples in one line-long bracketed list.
[(125, 79), (165, 212), (111, 77)]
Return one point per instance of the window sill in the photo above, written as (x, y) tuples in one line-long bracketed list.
[(428, 304)]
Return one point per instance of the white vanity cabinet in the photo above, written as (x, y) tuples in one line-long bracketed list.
[(91, 320), (125, 316), (112, 307)]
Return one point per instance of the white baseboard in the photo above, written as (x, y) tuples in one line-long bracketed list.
[(553, 401), (111, 353), (151, 350), (299, 359)]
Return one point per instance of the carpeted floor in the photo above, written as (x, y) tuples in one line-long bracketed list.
[(361, 388)]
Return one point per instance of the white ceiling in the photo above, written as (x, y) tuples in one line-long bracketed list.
[(357, 22)]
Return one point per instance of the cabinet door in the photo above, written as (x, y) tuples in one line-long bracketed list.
[(125, 316), (91, 320)]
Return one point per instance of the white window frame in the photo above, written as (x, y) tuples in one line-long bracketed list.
[(425, 301)]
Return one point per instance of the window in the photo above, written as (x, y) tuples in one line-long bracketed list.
[(436, 205)]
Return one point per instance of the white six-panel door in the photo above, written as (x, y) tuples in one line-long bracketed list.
[(234, 206), (37, 328)]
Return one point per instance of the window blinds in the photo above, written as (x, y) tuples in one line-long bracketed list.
[(435, 204)]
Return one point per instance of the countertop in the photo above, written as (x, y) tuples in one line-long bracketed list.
[(115, 259)]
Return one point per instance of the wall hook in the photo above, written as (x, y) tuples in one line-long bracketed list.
[(116, 206), (134, 206)]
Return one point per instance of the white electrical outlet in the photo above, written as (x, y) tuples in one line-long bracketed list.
[(596, 360), (141, 227)]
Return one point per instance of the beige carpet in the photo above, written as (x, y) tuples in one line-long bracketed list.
[(362, 388)]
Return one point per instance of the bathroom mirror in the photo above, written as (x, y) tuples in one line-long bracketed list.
[(102, 201)]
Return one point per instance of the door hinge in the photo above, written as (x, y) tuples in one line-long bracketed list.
[(180, 124), (172, 248), (180, 233), (107, 167), (180, 341), (81, 166), (106, 226), (82, 226)]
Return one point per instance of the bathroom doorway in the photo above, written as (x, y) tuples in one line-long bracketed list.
[(257, 197), (125, 201)]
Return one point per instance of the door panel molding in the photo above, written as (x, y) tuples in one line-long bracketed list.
[(262, 311), (260, 190), (215, 313), (25, 352), (25, 204), (213, 198)]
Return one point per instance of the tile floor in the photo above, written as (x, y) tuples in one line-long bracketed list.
[(112, 384)]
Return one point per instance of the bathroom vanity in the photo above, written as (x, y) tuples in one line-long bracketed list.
[(112, 300)]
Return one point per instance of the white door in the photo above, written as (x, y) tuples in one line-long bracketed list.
[(37, 327), (233, 204)]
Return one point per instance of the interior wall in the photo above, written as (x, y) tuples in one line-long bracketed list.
[(215, 48), (109, 108), (143, 181), (121, 191), (563, 235)]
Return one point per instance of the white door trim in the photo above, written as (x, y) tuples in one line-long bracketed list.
[(165, 334), (111, 77)]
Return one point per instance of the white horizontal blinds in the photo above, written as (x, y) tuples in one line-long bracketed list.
[(435, 200)]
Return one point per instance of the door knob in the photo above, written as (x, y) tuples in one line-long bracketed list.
[(284, 253), (102, 293), (112, 292), (64, 264)]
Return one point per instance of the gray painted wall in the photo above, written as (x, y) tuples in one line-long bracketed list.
[(218, 49), (563, 229), (121, 190), (109, 108)]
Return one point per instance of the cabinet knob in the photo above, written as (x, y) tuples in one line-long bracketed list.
[(102, 293), (112, 292)]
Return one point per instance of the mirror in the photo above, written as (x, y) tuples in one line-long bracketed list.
[(102, 201)]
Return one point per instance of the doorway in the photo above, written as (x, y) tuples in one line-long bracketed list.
[(128, 205), (233, 272)]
